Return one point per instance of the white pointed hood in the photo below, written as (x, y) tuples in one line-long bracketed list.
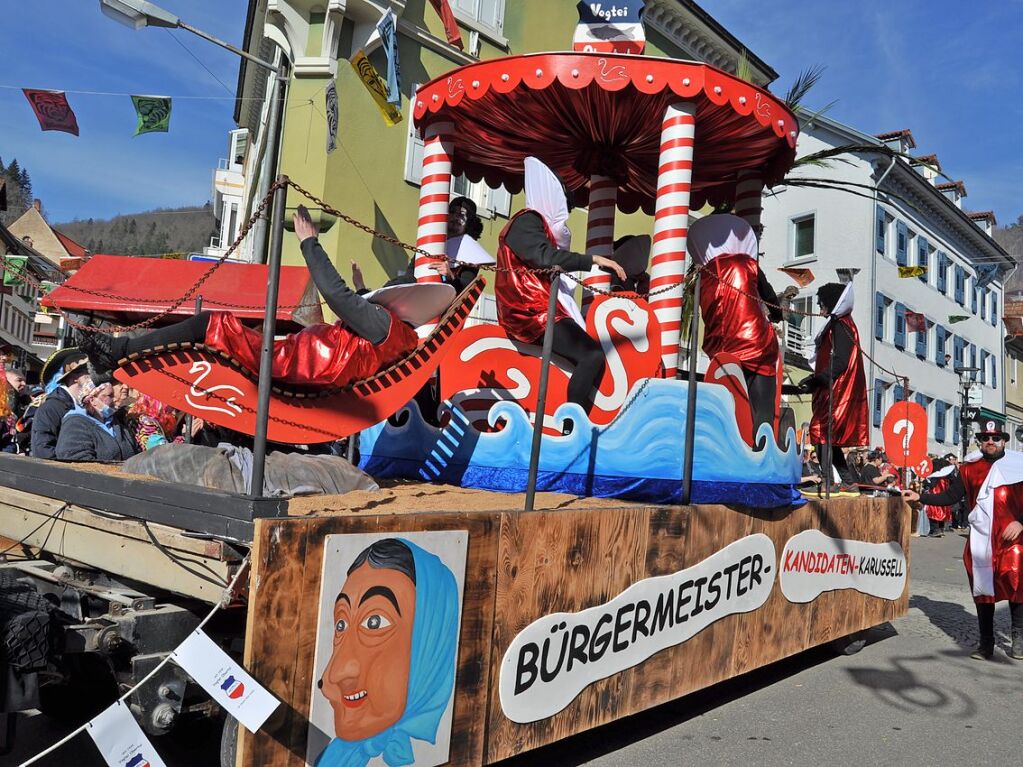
[(720, 234), (546, 196)]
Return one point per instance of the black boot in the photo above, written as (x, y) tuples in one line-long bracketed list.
[(1017, 644), (104, 352), (986, 623)]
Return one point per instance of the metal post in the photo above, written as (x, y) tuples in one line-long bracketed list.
[(269, 326), (687, 460), (541, 395), (830, 474), (188, 418), (269, 164)]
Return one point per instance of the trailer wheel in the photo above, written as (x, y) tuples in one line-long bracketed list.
[(849, 645), (229, 742), (87, 689)]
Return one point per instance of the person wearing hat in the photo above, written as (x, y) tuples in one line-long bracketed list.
[(66, 371), (734, 293), (991, 481), (838, 383), (368, 337)]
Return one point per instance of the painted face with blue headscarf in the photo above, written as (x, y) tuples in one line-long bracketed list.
[(392, 668)]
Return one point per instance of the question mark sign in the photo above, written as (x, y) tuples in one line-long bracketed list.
[(906, 426)]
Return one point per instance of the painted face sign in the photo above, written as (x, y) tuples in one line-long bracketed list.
[(813, 563), (387, 645), (554, 658)]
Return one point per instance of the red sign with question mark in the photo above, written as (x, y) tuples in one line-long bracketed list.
[(905, 434)]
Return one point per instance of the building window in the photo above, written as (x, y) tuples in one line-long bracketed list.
[(901, 244), (960, 285), (994, 310), (939, 420), (942, 281), (940, 338), (923, 257), (975, 293), (880, 310), (489, 202), (799, 331), (993, 362), (882, 231), (956, 425), (900, 326), (878, 401), (803, 237), (921, 341), (485, 15)]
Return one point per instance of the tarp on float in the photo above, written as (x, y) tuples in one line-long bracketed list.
[(131, 287)]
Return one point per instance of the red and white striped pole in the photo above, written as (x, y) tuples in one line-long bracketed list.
[(749, 197), (600, 232), (671, 226), (434, 196)]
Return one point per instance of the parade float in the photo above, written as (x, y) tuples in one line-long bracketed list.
[(431, 624)]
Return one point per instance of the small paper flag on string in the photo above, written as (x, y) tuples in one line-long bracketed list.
[(230, 685), (443, 9), (14, 269), (802, 277), (986, 274), (954, 318), (386, 28), (332, 116), (52, 110), (916, 322), (153, 112), (121, 741), (371, 79), (912, 271)]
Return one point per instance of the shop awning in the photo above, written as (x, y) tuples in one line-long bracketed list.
[(129, 287)]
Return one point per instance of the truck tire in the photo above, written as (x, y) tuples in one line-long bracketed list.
[(229, 742), (87, 689)]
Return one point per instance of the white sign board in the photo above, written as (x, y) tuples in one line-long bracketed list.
[(813, 563), (383, 681), (557, 656)]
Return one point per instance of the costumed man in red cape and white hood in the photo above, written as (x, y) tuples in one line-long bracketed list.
[(537, 237), (734, 293), (991, 481), (372, 331), (838, 383)]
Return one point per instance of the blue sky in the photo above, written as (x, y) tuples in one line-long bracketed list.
[(947, 70)]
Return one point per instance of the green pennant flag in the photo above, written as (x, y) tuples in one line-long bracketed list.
[(14, 266), (954, 318), (153, 112)]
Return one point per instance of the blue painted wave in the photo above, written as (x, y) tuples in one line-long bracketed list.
[(638, 456)]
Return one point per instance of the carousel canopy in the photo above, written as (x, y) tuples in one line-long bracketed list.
[(129, 287), (595, 113)]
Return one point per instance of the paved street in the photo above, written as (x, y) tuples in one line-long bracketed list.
[(910, 697)]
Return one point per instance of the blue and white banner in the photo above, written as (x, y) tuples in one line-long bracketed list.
[(121, 741), (386, 27), (610, 27)]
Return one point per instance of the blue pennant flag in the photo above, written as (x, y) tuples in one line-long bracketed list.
[(986, 273), (389, 38)]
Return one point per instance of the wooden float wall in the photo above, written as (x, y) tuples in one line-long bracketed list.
[(522, 566)]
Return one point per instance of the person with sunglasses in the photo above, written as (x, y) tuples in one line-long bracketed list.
[(991, 481)]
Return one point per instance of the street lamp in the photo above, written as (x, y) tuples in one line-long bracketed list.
[(964, 395), (140, 13)]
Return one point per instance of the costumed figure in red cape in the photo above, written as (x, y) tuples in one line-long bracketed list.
[(734, 293), (991, 481), (939, 480), (838, 383), (367, 337), (537, 237)]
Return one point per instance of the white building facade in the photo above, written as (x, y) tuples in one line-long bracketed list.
[(895, 213)]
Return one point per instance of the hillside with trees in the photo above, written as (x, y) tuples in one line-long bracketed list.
[(18, 189), (164, 230)]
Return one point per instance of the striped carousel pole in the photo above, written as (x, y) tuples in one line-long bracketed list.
[(600, 232), (671, 227), (749, 197), (434, 196)]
